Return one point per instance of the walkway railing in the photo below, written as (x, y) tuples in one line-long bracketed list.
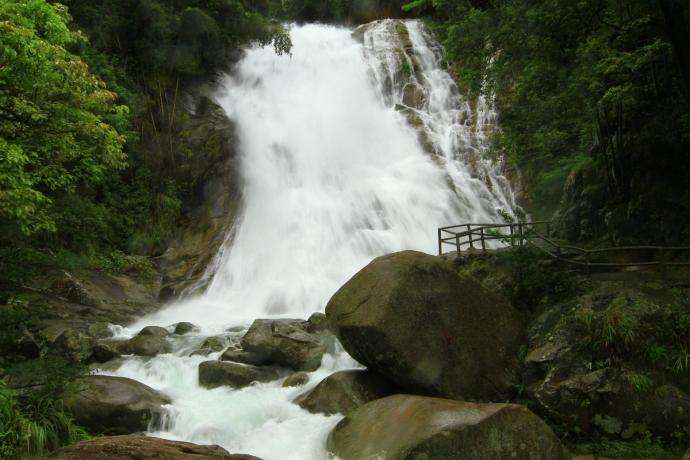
[(470, 238)]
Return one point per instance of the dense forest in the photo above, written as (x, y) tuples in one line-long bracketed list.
[(97, 166)]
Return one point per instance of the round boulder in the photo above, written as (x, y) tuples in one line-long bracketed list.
[(185, 328), (344, 391), (115, 405), (284, 342), (213, 374), (405, 427), (296, 380), (413, 319)]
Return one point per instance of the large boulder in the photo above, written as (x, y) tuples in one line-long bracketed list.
[(133, 447), (213, 374), (412, 318), (418, 427), (344, 391), (185, 328), (115, 405), (151, 341), (284, 342)]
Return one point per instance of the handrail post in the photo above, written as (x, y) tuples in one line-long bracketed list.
[(457, 243), (440, 243), (481, 235), (521, 232), (512, 236), (469, 235)]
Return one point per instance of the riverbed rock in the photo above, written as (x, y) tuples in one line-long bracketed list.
[(417, 427), (297, 379), (155, 331), (185, 328), (215, 343), (115, 405), (241, 356), (410, 317), (146, 345), (213, 374), (104, 351), (136, 447), (284, 342), (344, 391)]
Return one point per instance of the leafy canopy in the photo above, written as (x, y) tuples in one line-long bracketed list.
[(53, 135)]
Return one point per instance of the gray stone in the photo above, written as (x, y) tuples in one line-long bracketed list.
[(213, 374), (413, 319), (297, 379), (284, 342), (115, 405), (344, 391), (185, 328)]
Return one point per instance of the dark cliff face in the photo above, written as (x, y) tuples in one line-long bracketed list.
[(211, 208)]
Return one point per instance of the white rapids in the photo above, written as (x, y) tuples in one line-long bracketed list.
[(334, 176)]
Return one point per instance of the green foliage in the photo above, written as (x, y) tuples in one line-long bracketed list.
[(32, 420), (646, 447), (593, 84), (535, 281), (54, 139), (638, 329), (35, 428)]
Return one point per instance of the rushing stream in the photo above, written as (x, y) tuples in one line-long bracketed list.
[(335, 173)]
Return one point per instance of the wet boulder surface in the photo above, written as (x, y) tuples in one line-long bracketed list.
[(406, 427), (284, 342), (413, 319), (115, 405), (213, 374), (344, 391)]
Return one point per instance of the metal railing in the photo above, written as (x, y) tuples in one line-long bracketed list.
[(483, 237)]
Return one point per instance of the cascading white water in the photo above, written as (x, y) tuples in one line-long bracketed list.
[(334, 175)]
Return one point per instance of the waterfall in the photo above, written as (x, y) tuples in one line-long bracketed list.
[(335, 170), (356, 145)]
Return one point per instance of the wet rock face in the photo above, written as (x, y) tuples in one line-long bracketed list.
[(284, 342), (132, 447), (295, 380), (415, 427), (185, 328), (344, 391), (213, 374), (150, 341), (411, 318), (115, 405), (211, 135)]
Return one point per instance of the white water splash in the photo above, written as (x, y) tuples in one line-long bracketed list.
[(333, 177)]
